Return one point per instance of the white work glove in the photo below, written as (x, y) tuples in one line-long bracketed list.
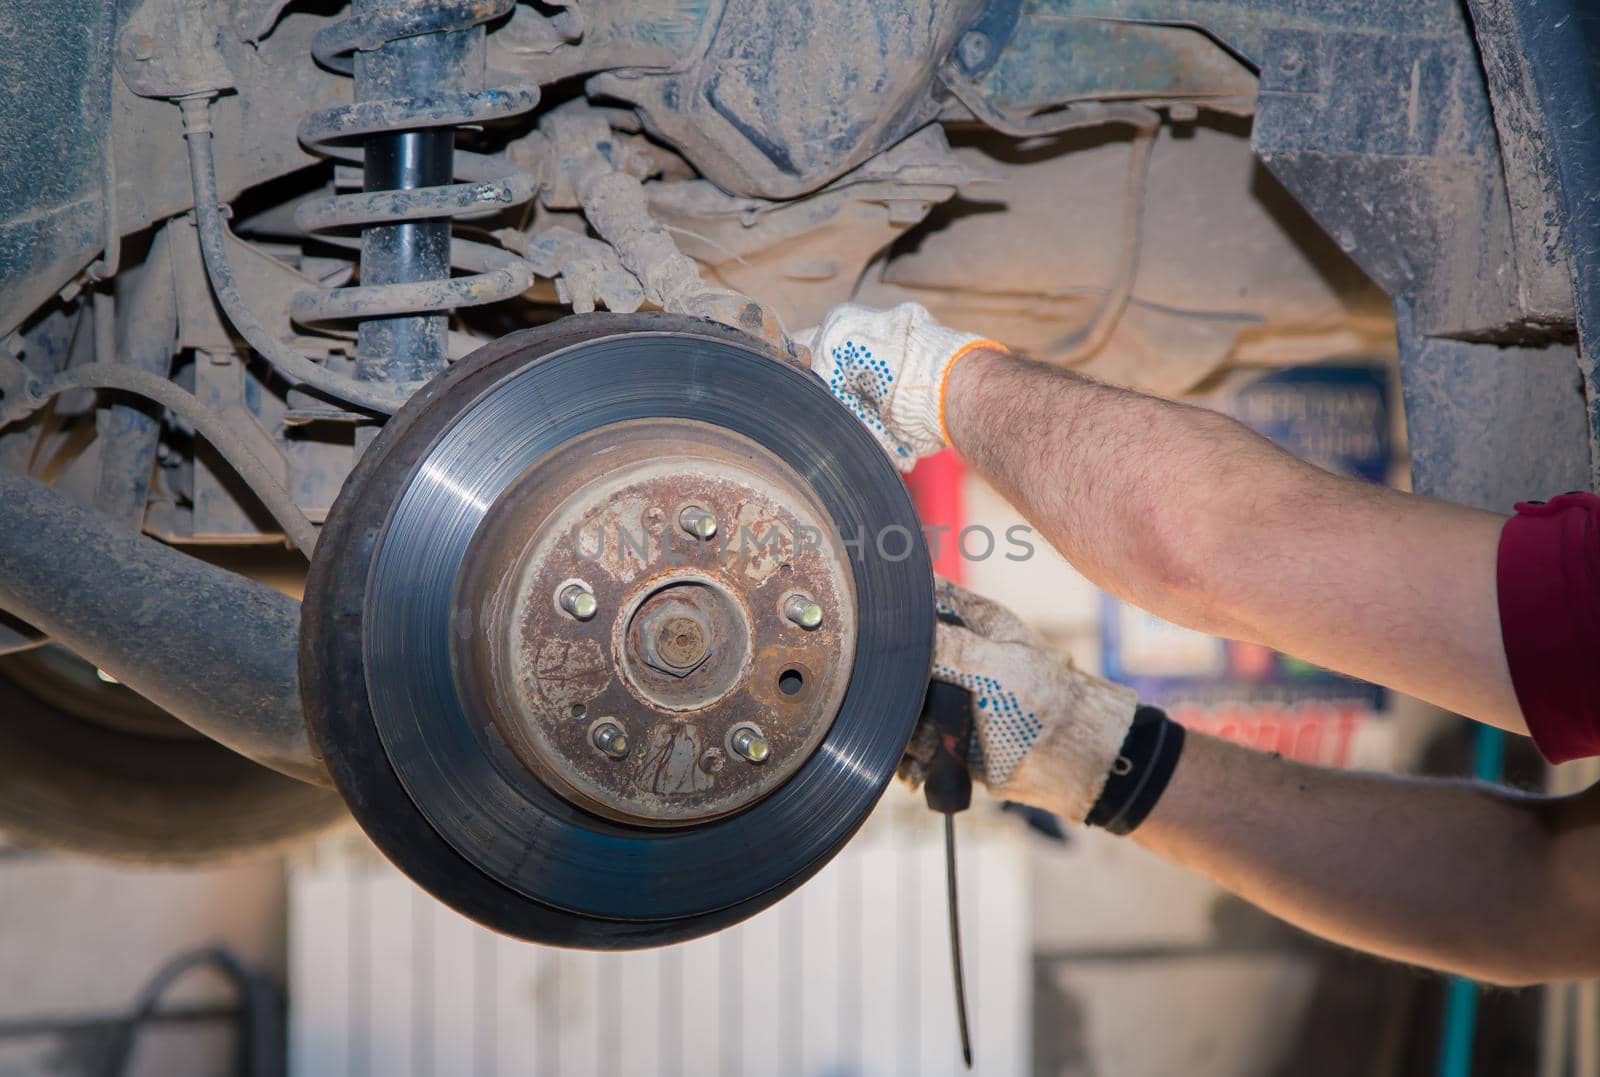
[(889, 367), (1044, 732)]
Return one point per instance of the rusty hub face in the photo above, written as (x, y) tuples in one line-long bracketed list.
[(689, 643)]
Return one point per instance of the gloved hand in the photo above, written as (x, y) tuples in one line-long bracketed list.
[(1044, 732), (890, 367)]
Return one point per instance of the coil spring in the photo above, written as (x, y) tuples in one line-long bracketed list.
[(336, 132)]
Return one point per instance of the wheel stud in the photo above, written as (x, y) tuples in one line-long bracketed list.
[(578, 601), (750, 744), (611, 739), (801, 610), (698, 522)]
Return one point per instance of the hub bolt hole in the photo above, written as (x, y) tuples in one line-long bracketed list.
[(790, 681)]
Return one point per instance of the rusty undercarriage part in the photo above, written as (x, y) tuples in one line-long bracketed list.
[(585, 165), (209, 646), (687, 642), (604, 650)]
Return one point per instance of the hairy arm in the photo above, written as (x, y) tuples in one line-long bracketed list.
[(1494, 884), (1194, 517)]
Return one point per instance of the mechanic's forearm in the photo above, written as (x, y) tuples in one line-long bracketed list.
[(1452, 875), (1194, 517), (1109, 476)]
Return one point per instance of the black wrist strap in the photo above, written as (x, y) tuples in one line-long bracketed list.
[(1141, 771)]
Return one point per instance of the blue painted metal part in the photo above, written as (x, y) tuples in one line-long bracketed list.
[(1242, 24), (1057, 55), (1489, 426), (56, 67), (1388, 141), (1068, 49), (980, 46), (1376, 115), (1560, 44)]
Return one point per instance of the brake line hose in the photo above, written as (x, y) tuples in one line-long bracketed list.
[(370, 396), (1086, 341), (211, 425)]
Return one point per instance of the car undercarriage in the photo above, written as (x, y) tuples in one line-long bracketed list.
[(402, 410)]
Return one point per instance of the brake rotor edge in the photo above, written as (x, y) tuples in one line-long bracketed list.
[(896, 645)]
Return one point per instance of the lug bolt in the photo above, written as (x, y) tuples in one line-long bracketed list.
[(698, 522), (750, 744), (802, 611), (973, 49), (611, 739), (578, 601)]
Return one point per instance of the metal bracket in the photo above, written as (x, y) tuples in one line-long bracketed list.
[(980, 46), (170, 48)]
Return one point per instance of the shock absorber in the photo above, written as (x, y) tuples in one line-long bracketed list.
[(419, 74)]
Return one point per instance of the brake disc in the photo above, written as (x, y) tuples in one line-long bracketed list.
[(617, 631)]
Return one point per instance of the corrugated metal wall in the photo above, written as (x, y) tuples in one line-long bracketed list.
[(79, 939), (848, 976)]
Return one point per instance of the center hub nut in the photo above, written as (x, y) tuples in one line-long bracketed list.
[(687, 642), (675, 638)]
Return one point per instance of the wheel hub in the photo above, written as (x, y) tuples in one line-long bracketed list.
[(687, 641)]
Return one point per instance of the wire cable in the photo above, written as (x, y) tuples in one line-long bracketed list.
[(1108, 314), (1072, 117), (1079, 115), (212, 425)]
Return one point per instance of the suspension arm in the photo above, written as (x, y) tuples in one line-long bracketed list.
[(216, 650)]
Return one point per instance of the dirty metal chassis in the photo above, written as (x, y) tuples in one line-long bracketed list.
[(718, 85), (364, 198)]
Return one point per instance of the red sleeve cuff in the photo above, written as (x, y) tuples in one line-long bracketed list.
[(1548, 583)]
